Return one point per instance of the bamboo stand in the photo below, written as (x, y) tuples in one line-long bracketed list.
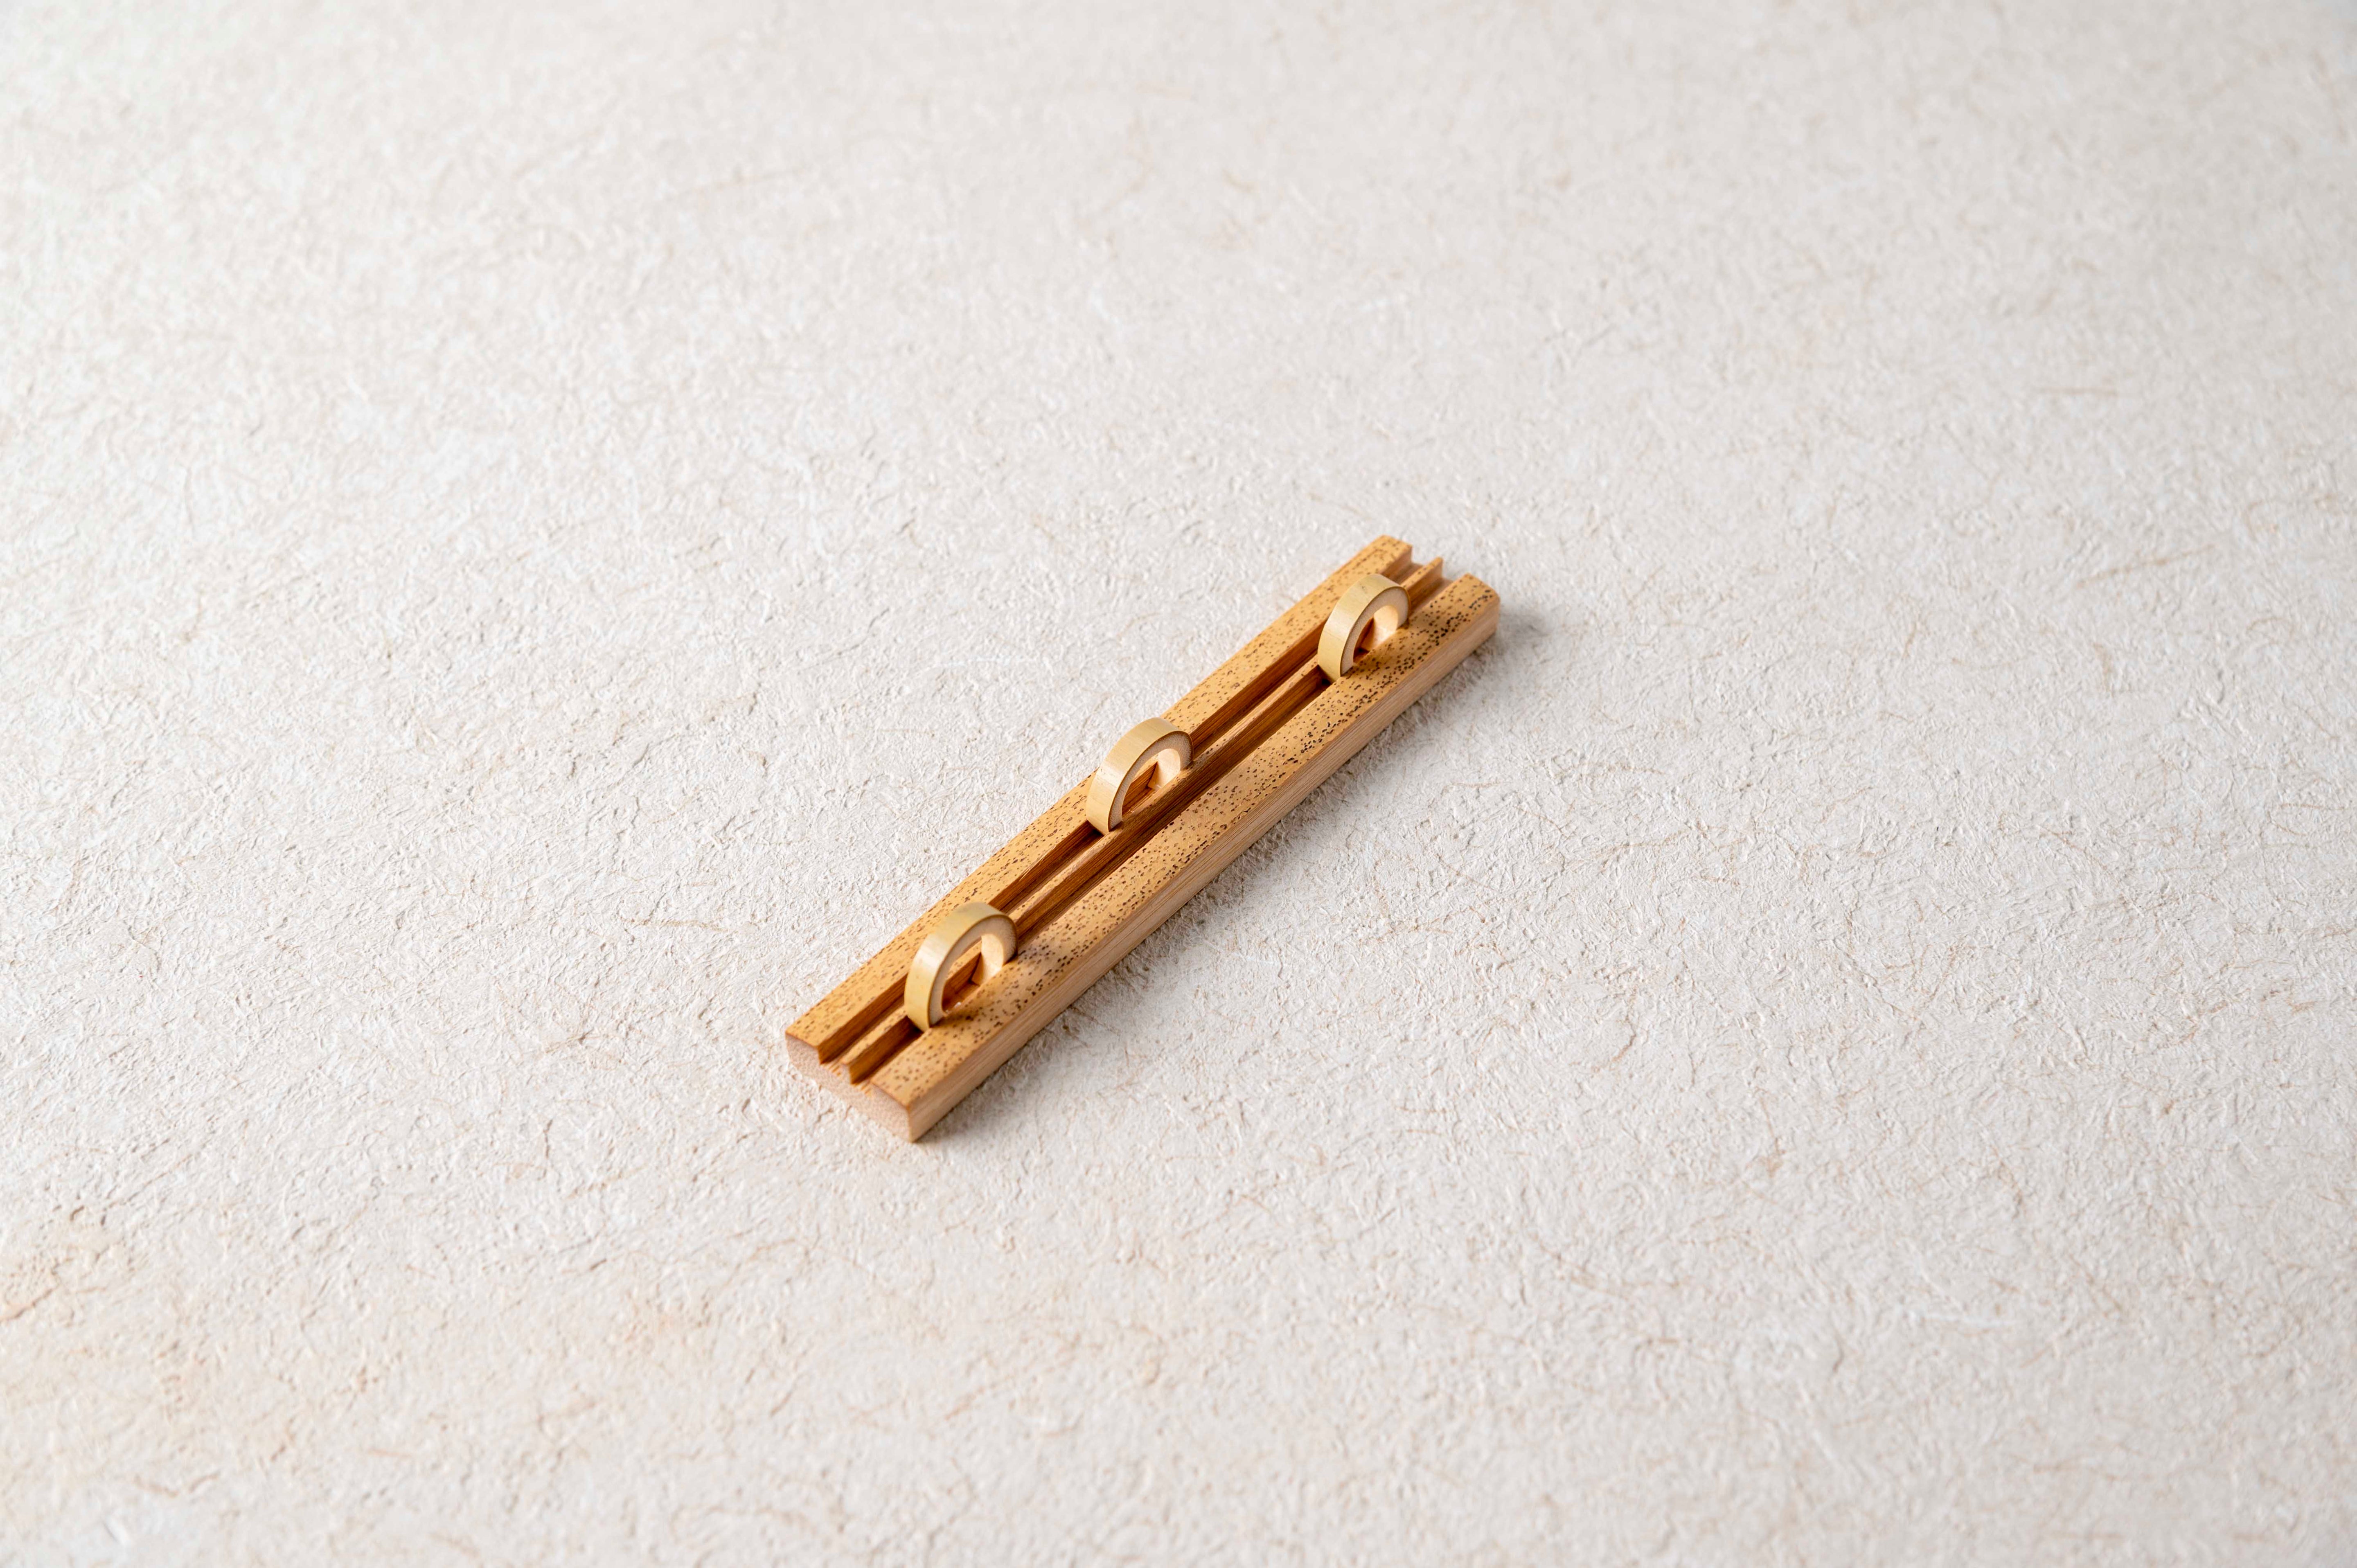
[(1267, 727)]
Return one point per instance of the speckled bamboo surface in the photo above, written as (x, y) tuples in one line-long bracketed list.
[(1276, 729)]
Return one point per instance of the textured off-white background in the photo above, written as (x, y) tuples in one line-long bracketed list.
[(536, 536)]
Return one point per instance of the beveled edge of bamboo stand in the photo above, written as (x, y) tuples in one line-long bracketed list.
[(1268, 728)]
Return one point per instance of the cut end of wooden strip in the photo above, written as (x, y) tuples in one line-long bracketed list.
[(969, 934), (1369, 612), (1158, 746)]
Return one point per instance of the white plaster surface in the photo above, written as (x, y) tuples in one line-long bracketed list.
[(536, 536)]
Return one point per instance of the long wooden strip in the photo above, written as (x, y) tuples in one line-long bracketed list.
[(920, 1084), (855, 1012)]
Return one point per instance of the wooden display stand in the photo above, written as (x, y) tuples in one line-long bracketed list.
[(1266, 728)]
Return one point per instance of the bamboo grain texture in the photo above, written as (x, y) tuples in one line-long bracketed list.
[(1266, 728)]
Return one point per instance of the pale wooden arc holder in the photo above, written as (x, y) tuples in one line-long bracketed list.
[(974, 931), (1264, 730), (1156, 744), (1374, 604)]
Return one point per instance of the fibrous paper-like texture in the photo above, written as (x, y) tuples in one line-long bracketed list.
[(533, 537)]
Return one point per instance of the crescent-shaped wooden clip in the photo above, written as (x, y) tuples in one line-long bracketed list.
[(962, 931), (1157, 742), (1373, 601)]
